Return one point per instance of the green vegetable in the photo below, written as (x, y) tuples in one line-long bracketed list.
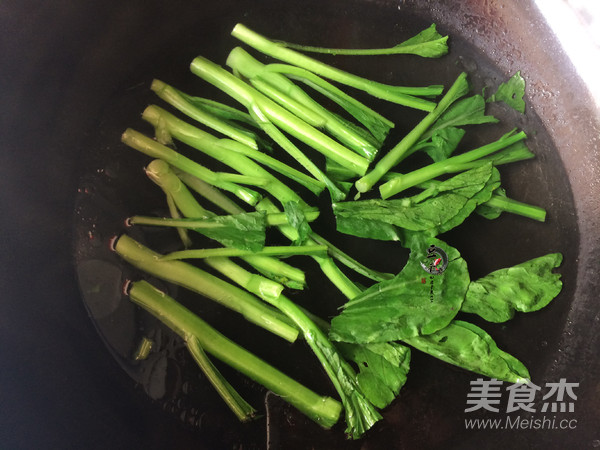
[(434, 211), (297, 219), (283, 91), (144, 349), (220, 149), (323, 410), (411, 304), (153, 149), (453, 164), (195, 108), (511, 93), (242, 231), (360, 413), (428, 43), (378, 125), (229, 252), (160, 173), (499, 202), (197, 280), (526, 287), (392, 157), (383, 369), (468, 346), (398, 94), (182, 232), (266, 111)]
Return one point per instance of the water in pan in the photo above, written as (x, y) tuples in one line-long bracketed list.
[(429, 410)]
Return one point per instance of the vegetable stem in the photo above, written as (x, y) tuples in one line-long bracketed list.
[(449, 165), (144, 144), (284, 250), (396, 94), (457, 90), (197, 280), (230, 396), (517, 207), (323, 410), (254, 100)]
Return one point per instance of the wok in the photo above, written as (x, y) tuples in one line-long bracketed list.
[(75, 74)]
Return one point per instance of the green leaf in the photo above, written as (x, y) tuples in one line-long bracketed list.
[(383, 369), (468, 346), (526, 287), (413, 303), (511, 93), (297, 219), (428, 44), (443, 143), (491, 212), (244, 231), (431, 212), (468, 111)]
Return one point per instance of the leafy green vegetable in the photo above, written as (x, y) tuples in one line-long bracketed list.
[(455, 163), (360, 413), (428, 44), (283, 91), (378, 125), (511, 93), (443, 142), (499, 203), (432, 212), (398, 94), (395, 155), (297, 219), (526, 287), (271, 250), (411, 304), (197, 280), (468, 346), (150, 147), (383, 369), (195, 108), (160, 173), (243, 231), (323, 410)]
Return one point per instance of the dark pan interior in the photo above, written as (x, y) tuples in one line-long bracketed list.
[(80, 76)]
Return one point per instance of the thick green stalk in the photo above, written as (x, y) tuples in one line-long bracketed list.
[(457, 90), (210, 193), (397, 94), (275, 219), (179, 101), (254, 100), (378, 125), (335, 275), (209, 145), (449, 165), (182, 232), (328, 267), (282, 90), (152, 148), (323, 410), (360, 413), (203, 283), (162, 175), (277, 250), (310, 183), (230, 396), (516, 207)]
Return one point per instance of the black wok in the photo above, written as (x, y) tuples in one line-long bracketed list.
[(76, 74)]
